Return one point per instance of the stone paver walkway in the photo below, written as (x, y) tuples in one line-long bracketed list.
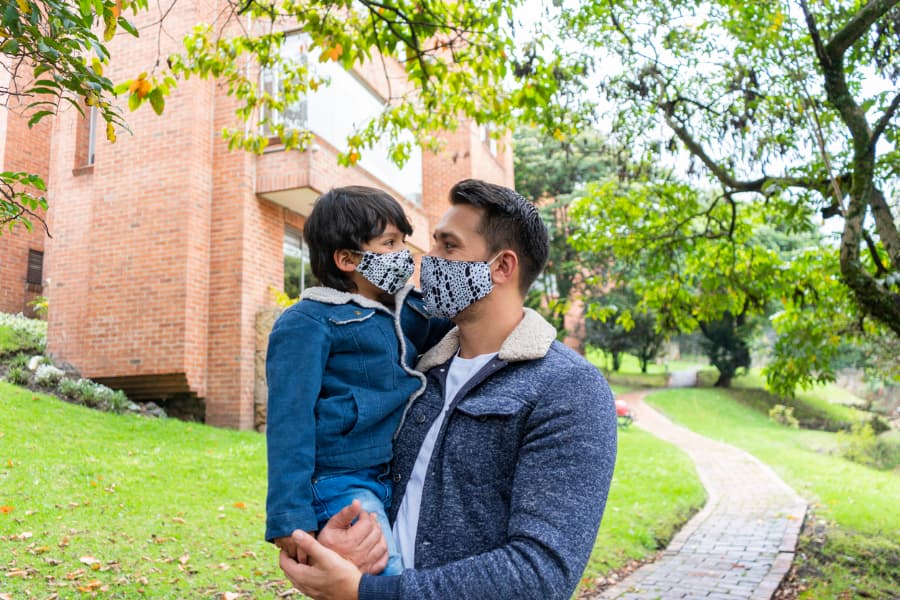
[(740, 545)]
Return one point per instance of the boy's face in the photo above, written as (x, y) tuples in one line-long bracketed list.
[(390, 240)]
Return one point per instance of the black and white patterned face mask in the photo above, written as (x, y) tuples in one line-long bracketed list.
[(389, 271), (451, 286)]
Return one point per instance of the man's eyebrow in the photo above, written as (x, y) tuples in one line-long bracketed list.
[(443, 235)]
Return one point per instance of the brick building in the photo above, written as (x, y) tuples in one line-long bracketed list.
[(22, 252), (166, 245)]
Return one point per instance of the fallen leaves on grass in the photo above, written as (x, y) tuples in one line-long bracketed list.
[(6, 509)]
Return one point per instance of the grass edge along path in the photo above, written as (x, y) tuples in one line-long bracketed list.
[(854, 506)]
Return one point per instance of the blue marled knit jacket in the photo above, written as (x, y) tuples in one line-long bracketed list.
[(518, 480)]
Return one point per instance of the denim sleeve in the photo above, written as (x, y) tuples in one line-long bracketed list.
[(295, 364), (562, 479)]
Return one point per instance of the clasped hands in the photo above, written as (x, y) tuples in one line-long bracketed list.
[(330, 565)]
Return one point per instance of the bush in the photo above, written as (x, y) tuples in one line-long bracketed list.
[(17, 376), (28, 335), (68, 387), (19, 360), (784, 415), (862, 445), (48, 375)]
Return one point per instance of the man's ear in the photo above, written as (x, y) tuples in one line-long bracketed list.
[(346, 260), (506, 267)]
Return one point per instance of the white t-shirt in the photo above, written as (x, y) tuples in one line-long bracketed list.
[(407, 522)]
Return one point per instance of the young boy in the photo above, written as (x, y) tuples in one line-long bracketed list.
[(340, 367)]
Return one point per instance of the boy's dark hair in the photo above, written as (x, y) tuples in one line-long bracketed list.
[(509, 221), (347, 218)]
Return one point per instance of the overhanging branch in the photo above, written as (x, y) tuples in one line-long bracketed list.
[(857, 27)]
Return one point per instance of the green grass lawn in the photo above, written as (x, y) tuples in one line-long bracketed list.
[(128, 506), (857, 504), (123, 506)]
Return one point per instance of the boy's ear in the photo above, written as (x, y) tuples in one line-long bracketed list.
[(345, 260)]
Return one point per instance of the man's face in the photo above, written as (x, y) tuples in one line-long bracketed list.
[(456, 236)]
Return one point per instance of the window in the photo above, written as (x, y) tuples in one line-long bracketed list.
[(35, 274), (487, 139), (294, 116), (86, 137), (92, 135), (297, 272)]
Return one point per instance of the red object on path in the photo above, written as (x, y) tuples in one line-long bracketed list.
[(624, 415)]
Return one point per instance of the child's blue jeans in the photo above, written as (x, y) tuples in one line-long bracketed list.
[(372, 487)]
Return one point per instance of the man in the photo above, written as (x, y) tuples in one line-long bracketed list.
[(503, 465)]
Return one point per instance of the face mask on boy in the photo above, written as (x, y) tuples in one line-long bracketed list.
[(389, 271), (451, 286)]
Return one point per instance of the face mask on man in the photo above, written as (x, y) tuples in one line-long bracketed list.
[(451, 286), (389, 271)]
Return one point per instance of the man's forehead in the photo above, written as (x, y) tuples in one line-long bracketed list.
[(460, 220)]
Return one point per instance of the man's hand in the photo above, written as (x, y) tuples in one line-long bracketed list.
[(362, 542), (326, 577)]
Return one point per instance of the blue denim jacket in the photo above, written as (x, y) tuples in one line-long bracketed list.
[(340, 374), (518, 480)]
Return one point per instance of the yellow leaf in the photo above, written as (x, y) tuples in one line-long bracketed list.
[(6, 509), (240, 505), (559, 135), (353, 157), (110, 133), (144, 88), (24, 7), (335, 52), (117, 9)]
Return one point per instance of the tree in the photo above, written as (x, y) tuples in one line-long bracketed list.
[(726, 346), (788, 110), (51, 55), (615, 327), (548, 171)]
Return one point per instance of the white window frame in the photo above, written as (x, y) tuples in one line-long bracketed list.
[(296, 115)]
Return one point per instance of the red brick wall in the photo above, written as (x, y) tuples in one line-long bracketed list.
[(129, 260), (27, 150)]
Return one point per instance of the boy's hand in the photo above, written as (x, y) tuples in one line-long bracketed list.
[(288, 545), (362, 542)]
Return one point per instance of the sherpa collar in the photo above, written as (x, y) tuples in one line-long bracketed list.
[(327, 295), (530, 340)]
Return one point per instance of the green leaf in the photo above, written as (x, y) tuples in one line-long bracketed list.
[(11, 15), (127, 26), (157, 101), (38, 116), (134, 101)]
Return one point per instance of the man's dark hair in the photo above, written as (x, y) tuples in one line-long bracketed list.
[(509, 221), (347, 218)]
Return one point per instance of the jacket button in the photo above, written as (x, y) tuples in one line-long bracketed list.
[(420, 418), (396, 477), (482, 418)]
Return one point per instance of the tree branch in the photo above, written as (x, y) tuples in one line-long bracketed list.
[(857, 26), (882, 123), (884, 225)]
